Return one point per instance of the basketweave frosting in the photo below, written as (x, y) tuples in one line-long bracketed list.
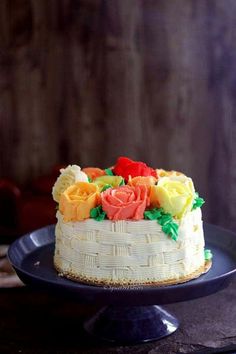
[(129, 251)]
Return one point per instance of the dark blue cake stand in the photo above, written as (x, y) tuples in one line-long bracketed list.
[(129, 315)]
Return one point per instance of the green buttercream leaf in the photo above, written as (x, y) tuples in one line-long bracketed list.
[(105, 187), (153, 214), (165, 219), (90, 179), (198, 202), (97, 213), (93, 213), (109, 172), (171, 229), (101, 216), (122, 183), (208, 255)]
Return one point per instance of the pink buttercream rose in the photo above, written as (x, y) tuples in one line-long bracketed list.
[(125, 202)]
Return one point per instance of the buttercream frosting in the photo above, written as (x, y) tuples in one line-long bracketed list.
[(68, 176), (129, 252)]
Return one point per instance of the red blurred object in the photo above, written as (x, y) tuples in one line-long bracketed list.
[(10, 196), (35, 212), (43, 185), (26, 209)]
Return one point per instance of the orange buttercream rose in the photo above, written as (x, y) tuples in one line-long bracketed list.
[(77, 201), (143, 181), (125, 202), (93, 172), (154, 202)]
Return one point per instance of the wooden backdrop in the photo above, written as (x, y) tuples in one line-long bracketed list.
[(84, 81)]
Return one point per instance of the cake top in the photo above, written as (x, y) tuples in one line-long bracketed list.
[(129, 190)]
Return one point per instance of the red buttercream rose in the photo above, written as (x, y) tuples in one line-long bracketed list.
[(126, 167), (125, 202)]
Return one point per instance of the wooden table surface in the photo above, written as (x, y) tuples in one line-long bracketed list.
[(34, 321)]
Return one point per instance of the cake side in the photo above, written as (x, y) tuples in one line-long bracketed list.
[(129, 252)]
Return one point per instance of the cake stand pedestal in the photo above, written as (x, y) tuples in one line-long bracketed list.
[(131, 314), (131, 324)]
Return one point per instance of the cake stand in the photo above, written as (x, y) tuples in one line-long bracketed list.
[(128, 315)]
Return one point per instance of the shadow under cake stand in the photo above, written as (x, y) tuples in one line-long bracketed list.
[(128, 315)]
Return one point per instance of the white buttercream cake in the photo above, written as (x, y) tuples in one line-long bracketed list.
[(124, 234)]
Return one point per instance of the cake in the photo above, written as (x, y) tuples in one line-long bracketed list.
[(128, 225)]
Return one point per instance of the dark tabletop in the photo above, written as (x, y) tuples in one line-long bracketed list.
[(34, 321)]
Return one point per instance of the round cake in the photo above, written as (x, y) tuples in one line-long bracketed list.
[(128, 225)]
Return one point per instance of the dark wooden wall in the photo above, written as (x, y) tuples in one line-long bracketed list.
[(84, 81)]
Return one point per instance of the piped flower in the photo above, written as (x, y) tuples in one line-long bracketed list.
[(77, 201), (126, 168), (105, 182), (148, 181), (175, 194), (125, 202), (93, 172), (69, 175)]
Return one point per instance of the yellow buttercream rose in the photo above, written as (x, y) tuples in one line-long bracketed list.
[(175, 194), (77, 201), (108, 181), (164, 173)]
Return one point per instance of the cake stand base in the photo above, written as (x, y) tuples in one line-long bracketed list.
[(32, 258), (131, 324)]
